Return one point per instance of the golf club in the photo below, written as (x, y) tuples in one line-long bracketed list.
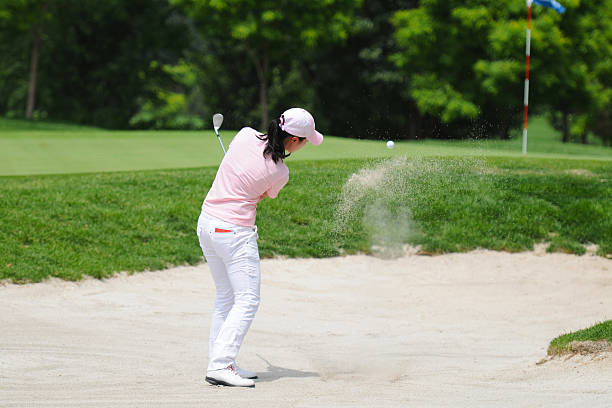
[(217, 121)]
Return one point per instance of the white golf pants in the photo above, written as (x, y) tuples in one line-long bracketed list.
[(233, 258)]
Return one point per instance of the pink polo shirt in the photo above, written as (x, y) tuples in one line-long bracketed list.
[(243, 178)]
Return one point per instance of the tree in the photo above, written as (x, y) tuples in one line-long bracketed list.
[(270, 33), (458, 75), (100, 57), (37, 34), (96, 60), (464, 61), (568, 68), (581, 66), (357, 88), (210, 81), (26, 16)]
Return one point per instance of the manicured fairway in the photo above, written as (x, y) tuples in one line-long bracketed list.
[(52, 149)]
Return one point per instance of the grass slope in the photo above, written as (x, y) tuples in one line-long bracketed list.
[(98, 224), (598, 332)]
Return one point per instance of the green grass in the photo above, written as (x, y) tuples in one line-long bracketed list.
[(20, 125), (68, 150), (97, 224), (138, 210), (601, 331), (28, 148)]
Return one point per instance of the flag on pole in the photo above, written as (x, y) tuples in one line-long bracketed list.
[(559, 9), (553, 4)]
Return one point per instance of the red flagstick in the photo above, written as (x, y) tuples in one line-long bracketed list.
[(526, 95)]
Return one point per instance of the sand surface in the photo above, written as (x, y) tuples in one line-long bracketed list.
[(356, 331)]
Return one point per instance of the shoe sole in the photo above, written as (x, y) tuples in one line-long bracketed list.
[(214, 381)]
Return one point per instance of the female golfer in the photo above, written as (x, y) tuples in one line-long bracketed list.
[(252, 169)]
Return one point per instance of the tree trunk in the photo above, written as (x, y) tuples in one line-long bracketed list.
[(583, 138), (262, 67), (37, 32), (413, 122), (565, 126), (505, 135), (263, 102)]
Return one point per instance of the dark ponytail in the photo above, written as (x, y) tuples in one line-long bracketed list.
[(275, 148)]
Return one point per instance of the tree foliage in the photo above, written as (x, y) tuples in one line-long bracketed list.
[(358, 90), (464, 62), (20, 25), (458, 73), (580, 80), (271, 33), (96, 58), (365, 68)]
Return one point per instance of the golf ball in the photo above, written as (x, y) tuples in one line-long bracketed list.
[(390, 144)]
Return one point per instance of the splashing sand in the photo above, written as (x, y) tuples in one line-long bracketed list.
[(381, 198), (368, 200)]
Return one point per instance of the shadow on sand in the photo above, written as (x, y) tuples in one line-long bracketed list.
[(273, 372)]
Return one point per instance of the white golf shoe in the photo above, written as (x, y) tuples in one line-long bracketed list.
[(229, 377), (245, 373)]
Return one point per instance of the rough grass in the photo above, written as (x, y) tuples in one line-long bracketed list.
[(591, 340), (98, 224)]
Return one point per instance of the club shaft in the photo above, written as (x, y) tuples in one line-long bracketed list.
[(220, 142)]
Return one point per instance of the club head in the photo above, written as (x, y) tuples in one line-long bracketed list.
[(217, 121)]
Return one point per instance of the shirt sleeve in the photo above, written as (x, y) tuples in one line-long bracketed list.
[(278, 184)]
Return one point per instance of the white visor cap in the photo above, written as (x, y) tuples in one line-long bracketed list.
[(298, 122)]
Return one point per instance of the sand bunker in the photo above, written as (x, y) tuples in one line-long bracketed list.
[(418, 331)]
